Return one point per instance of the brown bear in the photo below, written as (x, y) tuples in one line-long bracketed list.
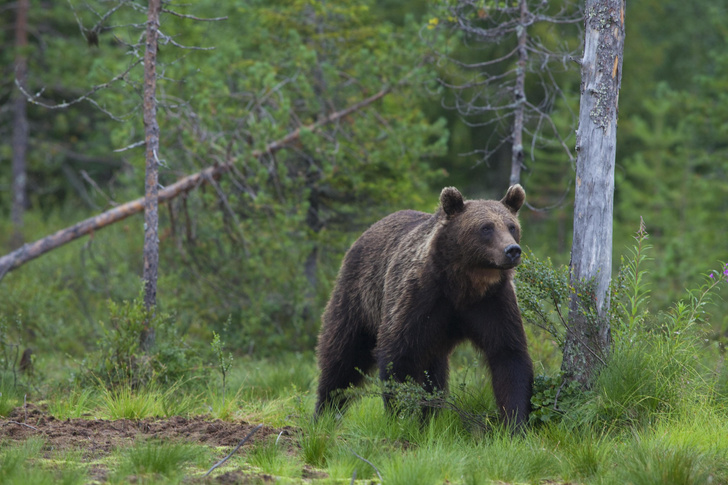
[(414, 285)]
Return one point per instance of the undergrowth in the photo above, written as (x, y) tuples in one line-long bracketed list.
[(656, 413)]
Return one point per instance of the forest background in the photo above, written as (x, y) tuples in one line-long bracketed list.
[(255, 253)]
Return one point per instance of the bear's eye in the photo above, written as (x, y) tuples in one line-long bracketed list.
[(512, 228), (488, 229)]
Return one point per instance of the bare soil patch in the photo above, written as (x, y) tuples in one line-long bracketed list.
[(98, 437)]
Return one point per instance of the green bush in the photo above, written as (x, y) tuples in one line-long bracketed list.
[(119, 359), (552, 398), (656, 363)]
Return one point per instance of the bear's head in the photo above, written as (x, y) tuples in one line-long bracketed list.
[(482, 235)]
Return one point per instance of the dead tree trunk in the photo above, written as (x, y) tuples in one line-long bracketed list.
[(30, 251), (519, 98), (588, 336), (492, 94), (20, 124), (151, 205)]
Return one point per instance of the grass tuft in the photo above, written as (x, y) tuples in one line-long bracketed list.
[(153, 458), (657, 465), (71, 404), (317, 438)]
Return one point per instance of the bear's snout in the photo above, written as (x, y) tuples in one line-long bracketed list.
[(513, 252)]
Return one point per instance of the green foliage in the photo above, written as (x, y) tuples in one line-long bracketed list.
[(274, 232), (552, 398), (10, 346), (543, 294), (654, 369), (119, 359), (655, 361), (223, 363), (630, 300), (13, 386)]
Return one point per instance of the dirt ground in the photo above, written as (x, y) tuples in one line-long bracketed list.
[(98, 437)]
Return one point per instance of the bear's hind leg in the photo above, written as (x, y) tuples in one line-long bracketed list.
[(437, 375), (431, 377), (344, 360), (435, 382)]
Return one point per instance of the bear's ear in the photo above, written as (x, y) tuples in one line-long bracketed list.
[(451, 200), (514, 198)]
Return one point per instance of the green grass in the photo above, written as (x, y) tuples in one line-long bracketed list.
[(634, 427), (125, 402), (156, 460), (271, 457), (73, 403), (11, 395), (655, 414), (19, 465)]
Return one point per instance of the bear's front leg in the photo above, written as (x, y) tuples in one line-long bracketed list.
[(512, 377), (494, 325)]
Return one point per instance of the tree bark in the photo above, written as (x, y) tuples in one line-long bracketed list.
[(151, 184), (588, 337), (20, 124), (30, 251), (519, 95)]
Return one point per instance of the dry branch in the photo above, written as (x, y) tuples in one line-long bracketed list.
[(242, 442), (32, 250)]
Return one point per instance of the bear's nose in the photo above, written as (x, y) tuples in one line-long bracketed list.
[(513, 252)]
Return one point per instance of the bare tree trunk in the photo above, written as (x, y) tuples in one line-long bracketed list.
[(151, 203), (30, 251), (588, 338), (519, 95), (20, 124)]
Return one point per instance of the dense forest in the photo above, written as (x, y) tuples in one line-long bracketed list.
[(262, 244), (294, 125)]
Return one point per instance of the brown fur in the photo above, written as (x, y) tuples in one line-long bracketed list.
[(414, 285)]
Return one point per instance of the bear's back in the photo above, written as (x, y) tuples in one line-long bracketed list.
[(365, 266), (386, 236)]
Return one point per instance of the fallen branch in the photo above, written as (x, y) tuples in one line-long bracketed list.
[(252, 432), (22, 424), (368, 463), (32, 250)]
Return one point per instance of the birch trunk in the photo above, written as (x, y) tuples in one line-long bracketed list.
[(588, 337)]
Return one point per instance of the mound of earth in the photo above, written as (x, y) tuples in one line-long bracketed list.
[(97, 437)]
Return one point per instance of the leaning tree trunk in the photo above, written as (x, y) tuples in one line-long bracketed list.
[(20, 124), (588, 336), (30, 251), (151, 202)]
